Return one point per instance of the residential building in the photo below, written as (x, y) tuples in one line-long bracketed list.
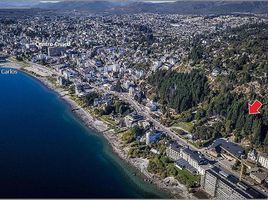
[(263, 160), (173, 151), (151, 106), (220, 185), (56, 51), (132, 118), (60, 81), (194, 161), (79, 90), (253, 155), (155, 151), (3, 58), (259, 177), (227, 149), (152, 137)]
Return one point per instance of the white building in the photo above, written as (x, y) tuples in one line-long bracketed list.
[(195, 158), (148, 134), (131, 90), (60, 81), (263, 160), (173, 151), (151, 106), (253, 155)]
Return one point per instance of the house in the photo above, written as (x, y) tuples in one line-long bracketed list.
[(31, 47), (131, 90), (216, 71), (98, 63), (155, 151), (69, 74), (111, 68), (151, 106), (258, 157), (127, 84), (132, 118), (97, 102), (183, 164), (145, 124), (253, 155), (152, 137), (59, 68), (259, 177), (104, 100), (156, 65)]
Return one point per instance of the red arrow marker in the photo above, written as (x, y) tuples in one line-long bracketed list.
[(253, 109)]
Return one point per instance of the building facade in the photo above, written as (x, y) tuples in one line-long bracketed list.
[(263, 160), (173, 151), (221, 185), (195, 159)]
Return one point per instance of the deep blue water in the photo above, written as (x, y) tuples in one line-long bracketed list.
[(46, 152)]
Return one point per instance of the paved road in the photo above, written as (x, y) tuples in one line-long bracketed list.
[(45, 69), (142, 110)]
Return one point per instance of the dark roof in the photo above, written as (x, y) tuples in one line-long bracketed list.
[(155, 136), (184, 164), (196, 155), (228, 146), (175, 146), (136, 116), (233, 182)]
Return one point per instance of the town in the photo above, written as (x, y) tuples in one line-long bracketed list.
[(103, 63)]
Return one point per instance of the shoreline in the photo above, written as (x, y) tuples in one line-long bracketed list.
[(169, 184)]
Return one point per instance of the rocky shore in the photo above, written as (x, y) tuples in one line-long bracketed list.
[(169, 184)]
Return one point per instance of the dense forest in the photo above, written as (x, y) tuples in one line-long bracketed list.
[(179, 91), (239, 57), (232, 112), (242, 53)]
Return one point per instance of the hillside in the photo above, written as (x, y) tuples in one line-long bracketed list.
[(180, 7), (92, 6), (235, 65)]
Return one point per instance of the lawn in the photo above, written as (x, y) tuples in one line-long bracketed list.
[(187, 177), (107, 119), (186, 126)]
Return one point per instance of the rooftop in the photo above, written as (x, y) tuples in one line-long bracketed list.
[(196, 155), (136, 116), (184, 164), (230, 147), (175, 146), (234, 183)]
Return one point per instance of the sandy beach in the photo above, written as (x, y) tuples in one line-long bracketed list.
[(169, 184)]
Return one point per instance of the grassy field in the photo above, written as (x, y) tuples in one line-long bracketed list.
[(186, 126), (186, 177), (107, 119)]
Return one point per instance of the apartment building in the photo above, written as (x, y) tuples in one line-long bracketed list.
[(221, 185)]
